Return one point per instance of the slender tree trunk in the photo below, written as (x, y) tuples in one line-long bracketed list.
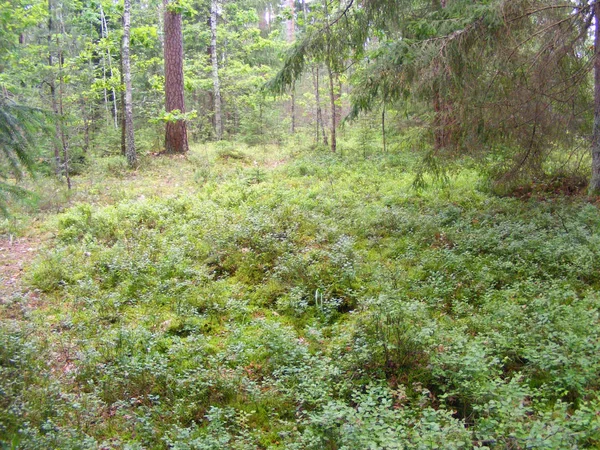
[(329, 65), (293, 109), (338, 100), (63, 136), (319, 112), (320, 121), (332, 101), (115, 114), (123, 125), (130, 151), (383, 139), (316, 87), (291, 24), (215, 71), (86, 129), (104, 35), (176, 132), (595, 181), (52, 84)]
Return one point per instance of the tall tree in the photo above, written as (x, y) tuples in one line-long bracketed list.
[(595, 180), (218, 118), (61, 112), (52, 86), (330, 72), (176, 140), (129, 134)]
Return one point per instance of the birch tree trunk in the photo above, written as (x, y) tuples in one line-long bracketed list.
[(176, 140), (122, 117), (129, 134), (215, 71), (104, 27)]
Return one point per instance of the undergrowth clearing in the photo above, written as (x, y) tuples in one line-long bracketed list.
[(262, 298)]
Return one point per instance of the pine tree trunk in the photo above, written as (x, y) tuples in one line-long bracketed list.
[(215, 71), (130, 138), (595, 181), (176, 132)]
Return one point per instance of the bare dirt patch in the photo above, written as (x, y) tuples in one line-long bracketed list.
[(15, 255)]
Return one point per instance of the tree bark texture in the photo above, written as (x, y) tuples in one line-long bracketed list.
[(61, 111), (52, 84), (595, 181), (129, 134), (329, 64), (122, 117), (332, 101), (176, 132), (215, 71)]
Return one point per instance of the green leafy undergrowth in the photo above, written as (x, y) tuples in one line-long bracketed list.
[(322, 304)]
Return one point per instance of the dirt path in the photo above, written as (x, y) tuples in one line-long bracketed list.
[(15, 254)]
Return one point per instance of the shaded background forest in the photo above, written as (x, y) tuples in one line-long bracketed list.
[(504, 85)]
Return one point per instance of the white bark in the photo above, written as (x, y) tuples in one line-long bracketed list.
[(129, 134)]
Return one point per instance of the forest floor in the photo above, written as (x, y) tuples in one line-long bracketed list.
[(16, 254), (268, 298)]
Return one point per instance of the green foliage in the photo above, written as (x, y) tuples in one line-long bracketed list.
[(18, 127), (321, 304)]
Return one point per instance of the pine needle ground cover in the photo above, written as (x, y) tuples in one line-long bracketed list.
[(260, 299)]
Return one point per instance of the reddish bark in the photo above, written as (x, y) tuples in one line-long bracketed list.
[(176, 140)]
